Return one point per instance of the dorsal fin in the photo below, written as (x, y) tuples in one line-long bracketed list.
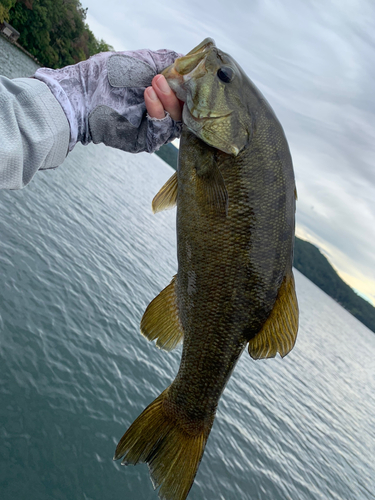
[(279, 332), (166, 198), (161, 320)]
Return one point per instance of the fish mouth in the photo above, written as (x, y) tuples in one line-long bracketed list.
[(186, 64), (203, 46), (208, 115), (186, 67)]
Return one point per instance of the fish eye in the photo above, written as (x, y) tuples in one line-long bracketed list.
[(225, 74)]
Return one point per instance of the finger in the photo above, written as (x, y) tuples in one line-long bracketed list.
[(167, 97), (154, 107)]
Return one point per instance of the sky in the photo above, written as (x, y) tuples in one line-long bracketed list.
[(314, 62)]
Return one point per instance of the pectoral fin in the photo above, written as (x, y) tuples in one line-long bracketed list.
[(161, 320), (166, 198), (280, 330), (212, 188)]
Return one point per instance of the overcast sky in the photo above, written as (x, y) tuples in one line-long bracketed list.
[(315, 63)]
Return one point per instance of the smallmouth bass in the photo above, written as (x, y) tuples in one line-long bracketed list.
[(235, 196)]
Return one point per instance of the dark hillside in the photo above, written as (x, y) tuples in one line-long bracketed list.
[(169, 154), (310, 262)]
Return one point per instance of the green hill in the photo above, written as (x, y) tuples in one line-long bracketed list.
[(53, 31), (312, 263)]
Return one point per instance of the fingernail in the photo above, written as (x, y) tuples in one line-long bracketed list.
[(152, 94), (163, 85)]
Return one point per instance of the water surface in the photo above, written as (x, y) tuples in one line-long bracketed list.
[(81, 257)]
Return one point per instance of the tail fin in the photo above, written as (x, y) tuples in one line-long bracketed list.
[(172, 454)]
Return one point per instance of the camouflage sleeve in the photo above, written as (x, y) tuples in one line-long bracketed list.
[(34, 131), (103, 99)]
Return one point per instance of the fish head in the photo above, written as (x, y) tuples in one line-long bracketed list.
[(215, 93)]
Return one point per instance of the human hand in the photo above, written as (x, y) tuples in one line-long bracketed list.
[(103, 99), (160, 98)]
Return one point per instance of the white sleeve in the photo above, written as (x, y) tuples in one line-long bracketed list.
[(34, 131)]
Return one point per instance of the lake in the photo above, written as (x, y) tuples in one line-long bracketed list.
[(81, 256)]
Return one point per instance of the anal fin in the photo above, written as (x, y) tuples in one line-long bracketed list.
[(166, 198), (161, 320), (279, 332)]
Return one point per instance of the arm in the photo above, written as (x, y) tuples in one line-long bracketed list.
[(34, 131), (102, 99)]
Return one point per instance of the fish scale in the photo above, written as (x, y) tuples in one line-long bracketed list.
[(235, 196)]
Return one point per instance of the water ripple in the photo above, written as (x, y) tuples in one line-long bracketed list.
[(81, 257)]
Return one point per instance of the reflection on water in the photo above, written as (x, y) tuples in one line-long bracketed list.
[(81, 257)]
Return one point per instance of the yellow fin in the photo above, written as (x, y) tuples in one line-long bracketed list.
[(166, 198), (172, 453), (161, 320), (279, 332)]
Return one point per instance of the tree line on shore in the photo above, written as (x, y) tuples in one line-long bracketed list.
[(53, 31)]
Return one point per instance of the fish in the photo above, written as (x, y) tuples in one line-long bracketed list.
[(234, 288)]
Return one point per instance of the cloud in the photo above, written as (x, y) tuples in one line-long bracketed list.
[(313, 61)]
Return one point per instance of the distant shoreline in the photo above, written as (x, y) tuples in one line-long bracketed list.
[(313, 264), (307, 258)]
